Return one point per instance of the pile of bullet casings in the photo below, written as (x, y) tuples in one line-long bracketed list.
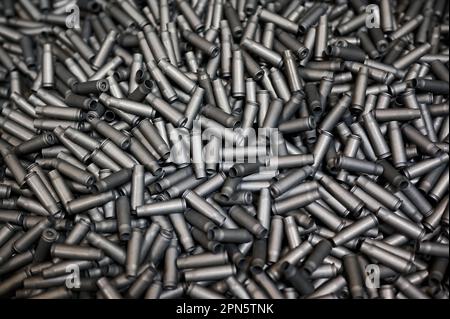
[(282, 149)]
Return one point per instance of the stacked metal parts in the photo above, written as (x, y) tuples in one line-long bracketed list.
[(224, 149)]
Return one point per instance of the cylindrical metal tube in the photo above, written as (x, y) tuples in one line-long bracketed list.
[(355, 229)]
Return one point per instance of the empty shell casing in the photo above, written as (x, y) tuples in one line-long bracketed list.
[(65, 251), (162, 241), (359, 95), (230, 235), (292, 179), (39, 189), (279, 21), (209, 273), (152, 135), (237, 74), (433, 249), (137, 185), (48, 71), (203, 207), (190, 15), (194, 105), (109, 248), (349, 201), (233, 20), (407, 288), (14, 165), (384, 196), (292, 44), (355, 229), (48, 237), (386, 258), (142, 283), (268, 55), (294, 202), (354, 276), (141, 91), (262, 279), (273, 113), (31, 236), (86, 202), (171, 114), (311, 17), (171, 272), (404, 226), (425, 166), (298, 125), (320, 251), (78, 232), (201, 43), (94, 86), (176, 76), (291, 232), (173, 206), (275, 239), (347, 53), (108, 291), (241, 217), (113, 180), (397, 145), (123, 213), (133, 252), (202, 260), (439, 190), (292, 72), (356, 165), (422, 142), (115, 135), (380, 145)]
